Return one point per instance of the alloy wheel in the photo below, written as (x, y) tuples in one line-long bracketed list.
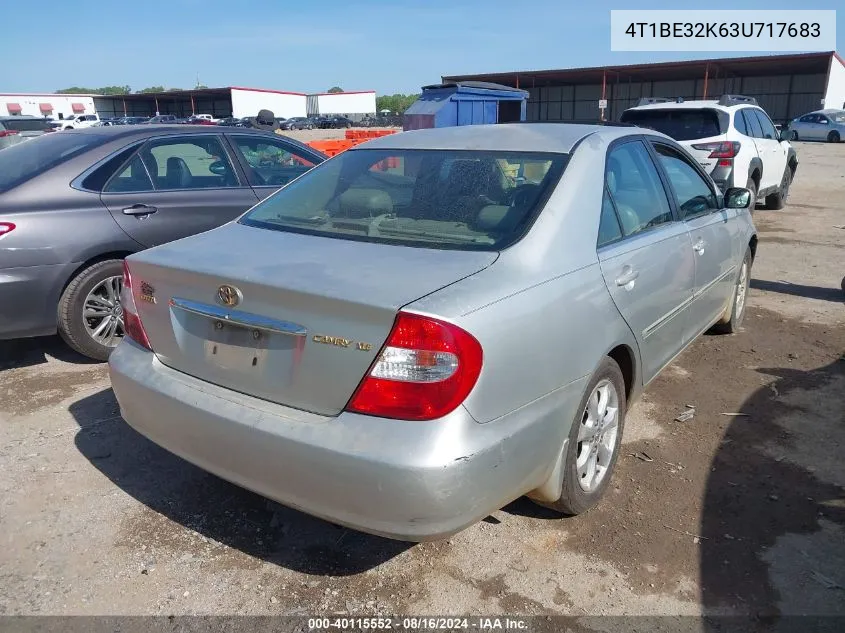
[(102, 313), (597, 436)]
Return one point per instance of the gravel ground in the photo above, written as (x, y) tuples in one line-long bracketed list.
[(739, 510)]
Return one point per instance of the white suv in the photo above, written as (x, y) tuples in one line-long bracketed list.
[(733, 139)]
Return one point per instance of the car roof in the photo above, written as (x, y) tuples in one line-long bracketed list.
[(558, 138), (702, 103)]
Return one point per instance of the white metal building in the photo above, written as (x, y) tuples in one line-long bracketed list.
[(46, 105), (219, 102), (353, 104)]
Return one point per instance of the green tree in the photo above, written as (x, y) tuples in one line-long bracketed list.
[(396, 103), (150, 90), (106, 90), (335, 89)]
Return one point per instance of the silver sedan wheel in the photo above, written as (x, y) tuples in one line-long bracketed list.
[(597, 436), (102, 313), (741, 290)]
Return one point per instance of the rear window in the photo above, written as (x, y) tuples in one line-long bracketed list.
[(462, 200), (24, 161), (681, 124), (25, 125)]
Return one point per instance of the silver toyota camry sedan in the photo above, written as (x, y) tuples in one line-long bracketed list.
[(434, 323)]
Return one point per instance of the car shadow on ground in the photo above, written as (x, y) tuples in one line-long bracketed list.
[(774, 505), (798, 290), (27, 352), (215, 508)]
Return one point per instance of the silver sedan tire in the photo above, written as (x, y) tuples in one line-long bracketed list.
[(594, 441), (735, 313), (90, 317)]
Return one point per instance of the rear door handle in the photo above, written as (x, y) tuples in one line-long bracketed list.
[(628, 276), (698, 247), (139, 209)]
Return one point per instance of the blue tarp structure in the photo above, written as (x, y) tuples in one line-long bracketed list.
[(465, 103)]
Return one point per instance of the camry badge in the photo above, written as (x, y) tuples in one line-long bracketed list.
[(229, 296)]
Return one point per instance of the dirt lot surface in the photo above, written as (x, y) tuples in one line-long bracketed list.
[(738, 510)]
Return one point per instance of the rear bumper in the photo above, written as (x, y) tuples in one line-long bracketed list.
[(412, 481), (723, 177), (28, 299)]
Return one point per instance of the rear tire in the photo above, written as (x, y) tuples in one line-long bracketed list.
[(833, 137), (73, 327), (777, 200), (735, 315), (581, 491)]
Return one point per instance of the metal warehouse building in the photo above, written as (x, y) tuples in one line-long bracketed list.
[(219, 102), (786, 86)]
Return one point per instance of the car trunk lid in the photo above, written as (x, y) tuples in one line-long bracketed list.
[(309, 316)]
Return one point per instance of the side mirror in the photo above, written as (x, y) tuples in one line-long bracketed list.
[(785, 134), (218, 168), (737, 198)]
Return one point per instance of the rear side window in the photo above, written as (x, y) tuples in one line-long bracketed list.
[(739, 124), (609, 229), (132, 178), (682, 124), (25, 125), (24, 161), (635, 188), (453, 199), (752, 123)]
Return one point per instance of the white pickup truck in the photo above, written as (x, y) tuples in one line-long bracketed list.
[(76, 121)]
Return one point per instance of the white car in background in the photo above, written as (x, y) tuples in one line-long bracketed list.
[(821, 125), (732, 138), (77, 121)]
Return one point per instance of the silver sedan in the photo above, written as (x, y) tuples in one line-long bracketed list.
[(822, 125), (434, 323)]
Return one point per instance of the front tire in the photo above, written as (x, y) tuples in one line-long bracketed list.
[(794, 136), (90, 318), (594, 441), (735, 313), (833, 137)]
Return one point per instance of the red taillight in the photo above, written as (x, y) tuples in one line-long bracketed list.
[(6, 228), (8, 133), (132, 326), (721, 149), (425, 370)]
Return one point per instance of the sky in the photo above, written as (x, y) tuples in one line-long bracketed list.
[(306, 46)]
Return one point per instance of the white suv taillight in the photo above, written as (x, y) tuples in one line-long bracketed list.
[(132, 326), (425, 370)]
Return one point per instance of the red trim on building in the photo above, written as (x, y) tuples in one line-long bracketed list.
[(78, 107), (345, 92), (14, 108), (279, 92), (45, 107)]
